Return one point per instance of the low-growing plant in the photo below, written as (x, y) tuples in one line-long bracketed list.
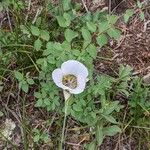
[(139, 103), (40, 136), (139, 10)]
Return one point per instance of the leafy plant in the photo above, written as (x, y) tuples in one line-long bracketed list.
[(130, 12), (24, 81), (40, 136), (139, 103)]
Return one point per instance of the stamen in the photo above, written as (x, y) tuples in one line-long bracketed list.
[(70, 81)]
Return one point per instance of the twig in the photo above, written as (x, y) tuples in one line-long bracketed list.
[(29, 7), (39, 10), (83, 2), (145, 25), (10, 26), (74, 144), (109, 7), (117, 6)]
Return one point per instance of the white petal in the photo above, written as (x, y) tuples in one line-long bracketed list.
[(74, 67), (80, 87), (57, 76)]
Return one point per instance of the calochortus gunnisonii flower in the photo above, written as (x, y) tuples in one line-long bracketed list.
[(72, 76)]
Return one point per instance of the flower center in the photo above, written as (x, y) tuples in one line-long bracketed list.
[(70, 81)]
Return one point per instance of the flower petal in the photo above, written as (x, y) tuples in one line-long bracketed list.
[(57, 76), (74, 67), (80, 87)]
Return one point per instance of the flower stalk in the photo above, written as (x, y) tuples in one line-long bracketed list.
[(66, 96)]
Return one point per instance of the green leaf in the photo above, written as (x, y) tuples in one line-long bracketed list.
[(45, 138), (112, 19), (112, 130), (39, 103), (25, 87), (30, 81), (129, 13), (86, 35), (1, 8), (103, 26), (61, 21), (142, 15), (70, 34), (36, 138), (37, 95), (49, 49), (68, 18), (76, 52), (35, 30), (40, 61), (111, 107), (44, 35), (92, 146), (110, 118), (66, 45), (24, 29), (139, 4), (91, 49), (99, 135), (51, 59), (1, 88), (114, 33), (64, 21), (47, 101), (1, 113), (77, 107), (91, 26), (18, 75), (38, 44), (66, 4), (102, 40), (125, 72)]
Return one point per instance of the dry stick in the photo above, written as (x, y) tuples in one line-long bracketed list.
[(117, 6), (39, 10), (83, 2), (29, 7), (109, 7), (10, 26)]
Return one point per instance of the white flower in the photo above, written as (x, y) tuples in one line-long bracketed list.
[(72, 76)]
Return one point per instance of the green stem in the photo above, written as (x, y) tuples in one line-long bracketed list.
[(64, 125)]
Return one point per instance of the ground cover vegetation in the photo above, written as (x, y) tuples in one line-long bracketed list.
[(35, 39)]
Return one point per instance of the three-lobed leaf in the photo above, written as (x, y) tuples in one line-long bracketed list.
[(86, 35), (91, 26), (18, 75), (35, 30), (102, 40), (114, 33), (70, 35), (91, 49), (129, 13), (44, 35), (38, 44)]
